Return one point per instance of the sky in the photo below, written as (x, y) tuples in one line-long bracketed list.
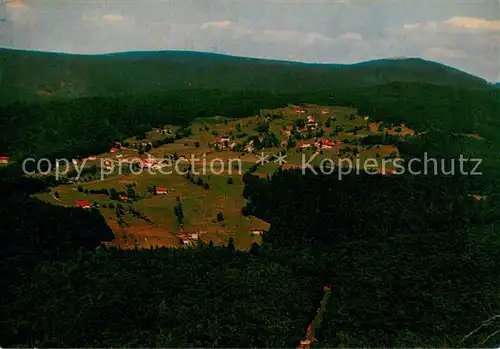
[(462, 34)]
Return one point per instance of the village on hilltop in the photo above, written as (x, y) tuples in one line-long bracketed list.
[(145, 209)]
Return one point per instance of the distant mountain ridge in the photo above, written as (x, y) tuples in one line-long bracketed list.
[(30, 75)]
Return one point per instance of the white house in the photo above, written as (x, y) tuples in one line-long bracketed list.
[(257, 231)]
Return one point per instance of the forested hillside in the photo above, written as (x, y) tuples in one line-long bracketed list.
[(35, 76), (411, 260), (90, 125), (413, 263)]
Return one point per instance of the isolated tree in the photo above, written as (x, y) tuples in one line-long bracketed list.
[(197, 144), (230, 180), (56, 194), (230, 245), (80, 188), (130, 192), (238, 127), (254, 249), (148, 147), (199, 181), (300, 123), (262, 128), (111, 205), (179, 213), (220, 217), (206, 186), (113, 194)]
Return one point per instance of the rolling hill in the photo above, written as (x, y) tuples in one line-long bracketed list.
[(32, 76)]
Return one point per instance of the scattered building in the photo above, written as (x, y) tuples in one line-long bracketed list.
[(257, 231), (4, 159), (161, 190), (384, 172), (148, 163), (83, 204), (249, 147), (326, 144), (189, 239), (478, 197), (222, 142), (186, 242), (92, 158), (311, 122), (300, 111)]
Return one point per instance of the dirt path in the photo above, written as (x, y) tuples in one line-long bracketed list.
[(60, 201), (316, 322)]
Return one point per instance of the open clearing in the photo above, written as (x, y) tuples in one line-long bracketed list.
[(222, 194)]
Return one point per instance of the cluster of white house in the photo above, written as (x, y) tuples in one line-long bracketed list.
[(189, 239)]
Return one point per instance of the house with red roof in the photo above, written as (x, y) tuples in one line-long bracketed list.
[(113, 150), (249, 147), (83, 204), (383, 171), (4, 159), (311, 122), (304, 144), (324, 112), (478, 197), (147, 163), (256, 231), (324, 143), (123, 198), (161, 190)]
